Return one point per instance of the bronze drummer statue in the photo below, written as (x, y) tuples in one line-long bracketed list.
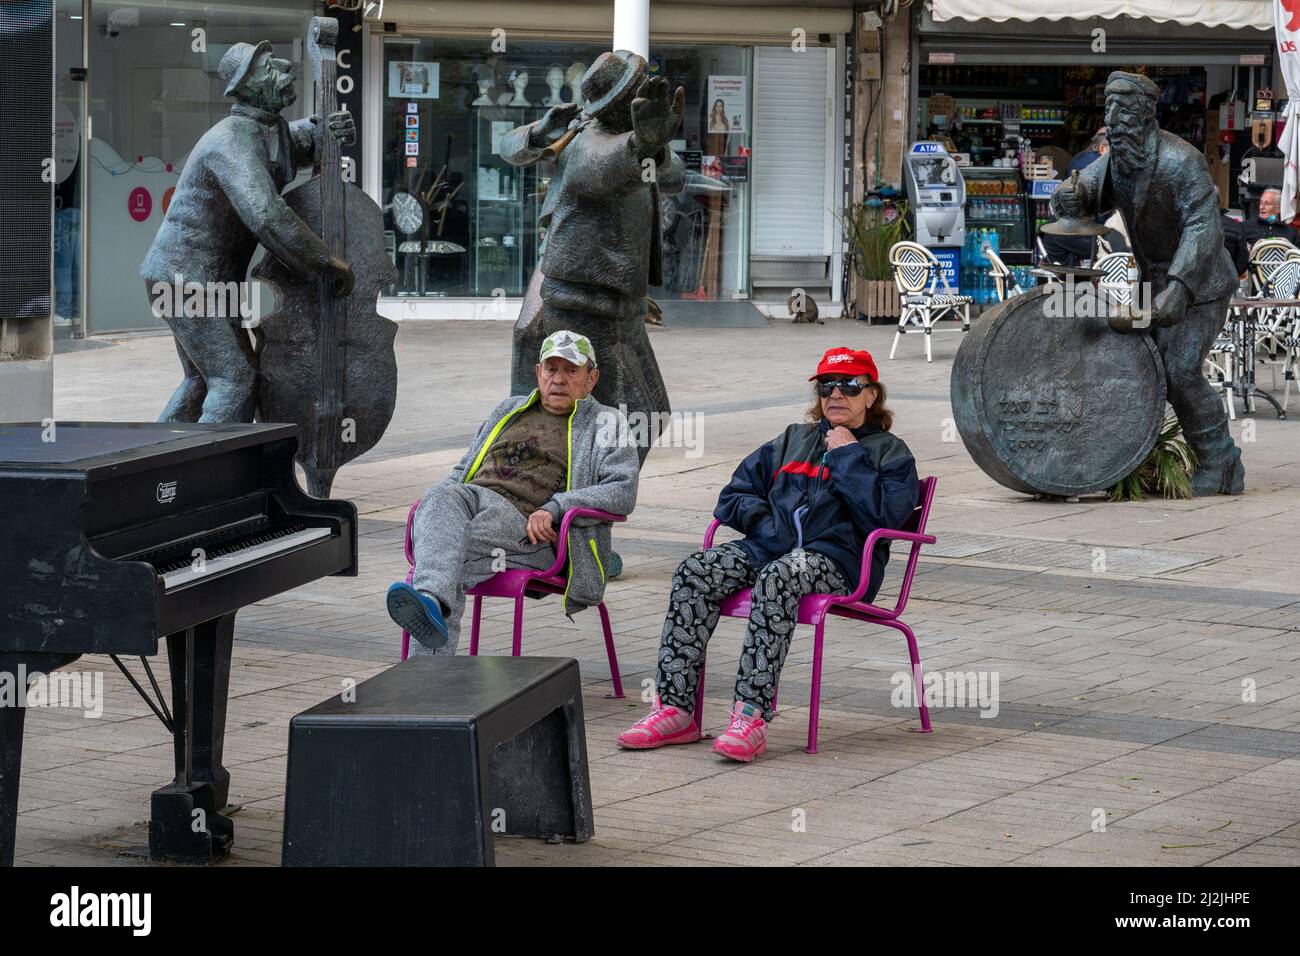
[(1162, 187)]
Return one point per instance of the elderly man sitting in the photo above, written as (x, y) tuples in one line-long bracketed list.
[(535, 457)]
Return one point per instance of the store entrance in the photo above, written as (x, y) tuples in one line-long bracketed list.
[(996, 118)]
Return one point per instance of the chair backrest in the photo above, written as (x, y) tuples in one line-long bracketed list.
[(1267, 258), (1003, 283), (915, 524), (921, 513), (915, 267), (1121, 273)]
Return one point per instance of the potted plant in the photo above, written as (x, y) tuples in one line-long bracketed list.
[(871, 229)]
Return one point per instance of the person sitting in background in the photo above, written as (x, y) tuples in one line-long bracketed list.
[(1232, 238), (805, 502), (1267, 223), (535, 457), (1098, 147)]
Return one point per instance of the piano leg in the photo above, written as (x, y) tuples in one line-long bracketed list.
[(11, 759), (15, 671), (186, 822)]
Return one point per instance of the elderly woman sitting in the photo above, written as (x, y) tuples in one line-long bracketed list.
[(805, 502)]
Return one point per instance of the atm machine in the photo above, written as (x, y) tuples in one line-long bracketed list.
[(936, 193)]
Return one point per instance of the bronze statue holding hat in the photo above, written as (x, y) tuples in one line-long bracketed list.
[(1161, 186), (601, 213)]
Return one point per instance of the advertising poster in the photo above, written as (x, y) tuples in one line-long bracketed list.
[(735, 169), (728, 96), (413, 80)]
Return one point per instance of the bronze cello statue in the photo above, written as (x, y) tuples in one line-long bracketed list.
[(326, 354)]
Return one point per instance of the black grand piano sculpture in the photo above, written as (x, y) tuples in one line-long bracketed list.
[(121, 535)]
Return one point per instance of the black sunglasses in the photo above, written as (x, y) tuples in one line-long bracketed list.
[(849, 387)]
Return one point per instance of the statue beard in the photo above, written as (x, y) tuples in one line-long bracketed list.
[(1131, 150)]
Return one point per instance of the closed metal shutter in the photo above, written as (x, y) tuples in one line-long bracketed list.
[(792, 128)]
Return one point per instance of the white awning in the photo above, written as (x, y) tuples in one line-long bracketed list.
[(1208, 13)]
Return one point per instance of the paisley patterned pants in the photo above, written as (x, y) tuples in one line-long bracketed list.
[(700, 584)]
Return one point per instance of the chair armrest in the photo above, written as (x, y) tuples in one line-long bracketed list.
[(562, 541), (865, 573), (710, 531)]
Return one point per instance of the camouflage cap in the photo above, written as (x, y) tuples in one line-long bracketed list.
[(569, 346)]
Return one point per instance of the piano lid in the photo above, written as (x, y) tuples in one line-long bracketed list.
[(87, 446)]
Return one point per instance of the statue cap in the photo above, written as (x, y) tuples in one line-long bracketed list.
[(1121, 82), (237, 61)]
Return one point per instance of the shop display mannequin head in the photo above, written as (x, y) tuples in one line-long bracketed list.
[(573, 76), (485, 79), (520, 82), (555, 80)]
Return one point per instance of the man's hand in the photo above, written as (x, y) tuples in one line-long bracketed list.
[(1170, 305), (540, 527), (839, 436), (554, 122), (655, 119), (343, 276), (342, 127)]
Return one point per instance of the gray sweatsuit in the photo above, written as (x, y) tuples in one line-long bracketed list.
[(463, 533)]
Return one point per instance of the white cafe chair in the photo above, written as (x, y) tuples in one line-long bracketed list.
[(918, 275)]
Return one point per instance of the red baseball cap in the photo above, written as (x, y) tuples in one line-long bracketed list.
[(849, 362)]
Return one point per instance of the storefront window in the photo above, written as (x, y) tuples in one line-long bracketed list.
[(69, 146), (463, 222), (154, 90)]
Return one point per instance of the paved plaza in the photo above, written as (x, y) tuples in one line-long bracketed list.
[(1147, 655)]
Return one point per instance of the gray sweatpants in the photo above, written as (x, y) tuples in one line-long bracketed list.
[(462, 535)]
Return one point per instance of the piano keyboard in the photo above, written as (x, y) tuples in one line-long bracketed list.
[(241, 552)]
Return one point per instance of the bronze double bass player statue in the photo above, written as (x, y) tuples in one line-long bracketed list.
[(324, 359), (327, 356)]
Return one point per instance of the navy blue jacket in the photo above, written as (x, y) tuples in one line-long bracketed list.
[(793, 493)]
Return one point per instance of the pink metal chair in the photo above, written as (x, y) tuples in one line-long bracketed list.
[(814, 608), (517, 583)]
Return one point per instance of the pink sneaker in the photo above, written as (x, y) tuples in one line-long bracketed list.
[(746, 738), (662, 726)]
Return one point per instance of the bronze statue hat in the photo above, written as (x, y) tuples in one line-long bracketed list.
[(1121, 82), (610, 79), (238, 60)]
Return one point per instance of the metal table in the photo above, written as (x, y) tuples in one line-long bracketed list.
[(1244, 325)]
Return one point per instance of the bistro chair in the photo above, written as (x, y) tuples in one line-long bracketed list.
[(1278, 330), (518, 583), (814, 609), (1119, 284), (1004, 282), (917, 275)]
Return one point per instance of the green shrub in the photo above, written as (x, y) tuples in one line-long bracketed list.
[(1166, 471)]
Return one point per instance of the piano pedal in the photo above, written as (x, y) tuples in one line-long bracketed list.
[(185, 825)]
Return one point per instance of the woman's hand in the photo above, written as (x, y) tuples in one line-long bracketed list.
[(839, 436)]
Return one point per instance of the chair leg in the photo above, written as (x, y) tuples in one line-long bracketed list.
[(815, 697), (519, 625), (473, 632), (609, 650), (775, 694), (928, 356), (894, 347), (915, 655), (406, 644)]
